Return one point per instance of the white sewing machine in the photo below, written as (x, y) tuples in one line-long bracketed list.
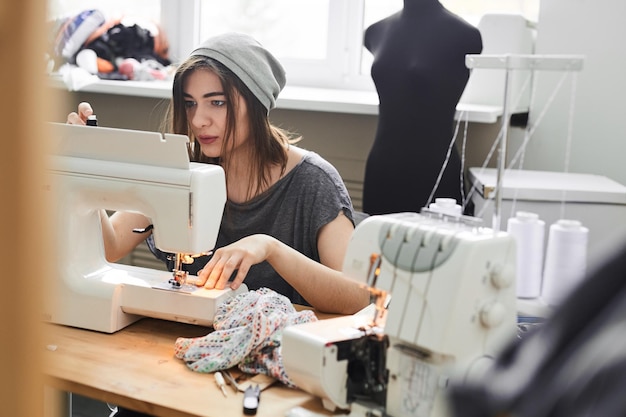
[(445, 302), (95, 168)]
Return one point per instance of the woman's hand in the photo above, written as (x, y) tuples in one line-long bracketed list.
[(80, 117), (326, 289), (238, 256)]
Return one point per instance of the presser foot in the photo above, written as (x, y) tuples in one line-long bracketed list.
[(179, 278)]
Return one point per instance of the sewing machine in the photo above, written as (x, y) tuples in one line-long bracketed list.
[(443, 293), (96, 168)]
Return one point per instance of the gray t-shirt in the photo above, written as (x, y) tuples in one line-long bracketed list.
[(293, 211)]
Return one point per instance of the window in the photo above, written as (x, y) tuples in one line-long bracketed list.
[(320, 42), (145, 9)]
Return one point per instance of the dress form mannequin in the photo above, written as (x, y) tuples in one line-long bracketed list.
[(419, 72)]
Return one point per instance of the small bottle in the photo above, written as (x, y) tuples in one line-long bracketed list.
[(92, 120)]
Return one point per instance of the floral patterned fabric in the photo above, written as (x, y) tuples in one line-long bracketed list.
[(248, 333)]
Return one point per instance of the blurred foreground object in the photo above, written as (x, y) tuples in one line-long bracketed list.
[(574, 365)]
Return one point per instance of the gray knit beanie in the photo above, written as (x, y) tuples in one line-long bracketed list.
[(259, 70)]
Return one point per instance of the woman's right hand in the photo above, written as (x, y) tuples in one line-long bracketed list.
[(80, 117)]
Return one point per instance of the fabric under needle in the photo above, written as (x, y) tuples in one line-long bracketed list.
[(219, 379)]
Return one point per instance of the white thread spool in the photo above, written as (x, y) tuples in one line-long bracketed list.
[(446, 206), (566, 260), (529, 232)]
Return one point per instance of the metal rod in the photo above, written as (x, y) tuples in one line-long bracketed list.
[(506, 114), (511, 62), (526, 62)]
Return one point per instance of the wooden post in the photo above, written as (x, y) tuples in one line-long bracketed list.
[(26, 247)]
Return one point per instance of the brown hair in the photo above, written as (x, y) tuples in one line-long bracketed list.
[(268, 142)]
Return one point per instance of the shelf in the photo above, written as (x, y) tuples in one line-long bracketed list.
[(291, 98)]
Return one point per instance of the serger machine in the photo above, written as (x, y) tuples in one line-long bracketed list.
[(444, 292), (92, 169)]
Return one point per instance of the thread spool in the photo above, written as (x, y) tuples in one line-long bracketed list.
[(529, 232), (446, 206), (566, 260)]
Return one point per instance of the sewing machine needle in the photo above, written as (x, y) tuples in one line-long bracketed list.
[(219, 379)]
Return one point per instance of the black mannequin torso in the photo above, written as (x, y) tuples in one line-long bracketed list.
[(419, 72)]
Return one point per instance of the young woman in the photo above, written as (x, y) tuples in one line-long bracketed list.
[(288, 218)]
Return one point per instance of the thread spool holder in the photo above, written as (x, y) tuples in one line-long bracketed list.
[(509, 63)]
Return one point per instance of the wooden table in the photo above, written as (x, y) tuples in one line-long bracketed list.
[(136, 368)]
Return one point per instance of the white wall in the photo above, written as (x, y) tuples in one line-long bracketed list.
[(593, 28)]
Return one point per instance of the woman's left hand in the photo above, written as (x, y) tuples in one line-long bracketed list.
[(238, 256)]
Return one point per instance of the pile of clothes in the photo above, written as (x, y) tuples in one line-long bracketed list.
[(122, 48)]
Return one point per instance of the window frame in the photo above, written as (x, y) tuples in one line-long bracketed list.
[(340, 69)]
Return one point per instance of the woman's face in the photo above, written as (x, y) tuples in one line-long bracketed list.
[(206, 109)]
